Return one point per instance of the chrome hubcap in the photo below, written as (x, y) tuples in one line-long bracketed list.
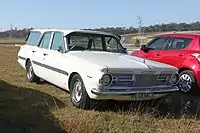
[(30, 72), (185, 83), (77, 91)]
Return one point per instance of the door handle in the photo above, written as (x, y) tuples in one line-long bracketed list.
[(45, 54), (158, 54), (33, 51), (181, 54)]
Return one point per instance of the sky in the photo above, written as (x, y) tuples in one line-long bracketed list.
[(79, 14)]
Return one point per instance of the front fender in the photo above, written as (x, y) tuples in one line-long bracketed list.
[(90, 78)]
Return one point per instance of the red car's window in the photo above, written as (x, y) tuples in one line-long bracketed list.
[(179, 43), (158, 43)]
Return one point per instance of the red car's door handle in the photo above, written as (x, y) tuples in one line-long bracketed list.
[(181, 54), (158, 54)]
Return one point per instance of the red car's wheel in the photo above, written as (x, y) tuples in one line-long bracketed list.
[(187, 83)]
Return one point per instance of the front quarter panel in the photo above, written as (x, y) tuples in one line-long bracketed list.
[(89, 72), (90, 79)]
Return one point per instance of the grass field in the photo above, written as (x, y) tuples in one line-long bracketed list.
[(42, 108), (12, 40)]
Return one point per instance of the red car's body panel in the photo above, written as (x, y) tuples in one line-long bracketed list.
[(180, 58)]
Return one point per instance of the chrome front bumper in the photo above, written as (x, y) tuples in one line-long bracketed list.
[(136, 90)]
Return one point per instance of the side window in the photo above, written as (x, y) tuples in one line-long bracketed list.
[(58, 40), (97, 44), (33, 38), (158, 43), (76, 40), (112, 44), (45, 40), (180, 43)]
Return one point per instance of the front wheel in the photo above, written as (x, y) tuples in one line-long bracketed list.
[(79, 96), (187, 83)]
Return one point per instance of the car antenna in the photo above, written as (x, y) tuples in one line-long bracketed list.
[(144, 61)]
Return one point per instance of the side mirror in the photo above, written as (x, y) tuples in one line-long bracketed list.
[(143, 47), (60, 49)]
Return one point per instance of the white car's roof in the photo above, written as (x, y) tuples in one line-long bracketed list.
[(68, 31)]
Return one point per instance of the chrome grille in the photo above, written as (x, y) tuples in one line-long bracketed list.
[(122, 80), (151, 80), (141, 80)]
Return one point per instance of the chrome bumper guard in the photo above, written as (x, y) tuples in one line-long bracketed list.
[(136, 90)]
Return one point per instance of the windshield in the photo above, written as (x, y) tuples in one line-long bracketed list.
[(94, 42)]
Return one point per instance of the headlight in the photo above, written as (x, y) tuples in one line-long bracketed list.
[(174, 79), (106, 80)]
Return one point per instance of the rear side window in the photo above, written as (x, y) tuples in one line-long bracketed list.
[(180, 43), (33, 38), (46, 40)]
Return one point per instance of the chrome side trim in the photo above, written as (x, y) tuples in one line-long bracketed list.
[(135, 90)]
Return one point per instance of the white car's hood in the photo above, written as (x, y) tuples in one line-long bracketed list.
[(119, 61)]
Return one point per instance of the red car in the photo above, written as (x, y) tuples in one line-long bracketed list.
[(181, 50)]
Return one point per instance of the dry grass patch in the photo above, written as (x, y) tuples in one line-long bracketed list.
[(38, 108)]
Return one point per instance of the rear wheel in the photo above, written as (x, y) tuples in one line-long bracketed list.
[(30, 75), (79, 96), (187, 83)]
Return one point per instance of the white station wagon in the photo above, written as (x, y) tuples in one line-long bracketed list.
[(93, 66)]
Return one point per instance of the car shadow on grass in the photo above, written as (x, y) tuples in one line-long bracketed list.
[(175, 105), (25, 110)]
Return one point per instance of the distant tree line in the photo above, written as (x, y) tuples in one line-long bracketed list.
[(153, 28), (22, 33), (14, 33)]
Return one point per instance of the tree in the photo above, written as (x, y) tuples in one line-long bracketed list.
[(22, 33)]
